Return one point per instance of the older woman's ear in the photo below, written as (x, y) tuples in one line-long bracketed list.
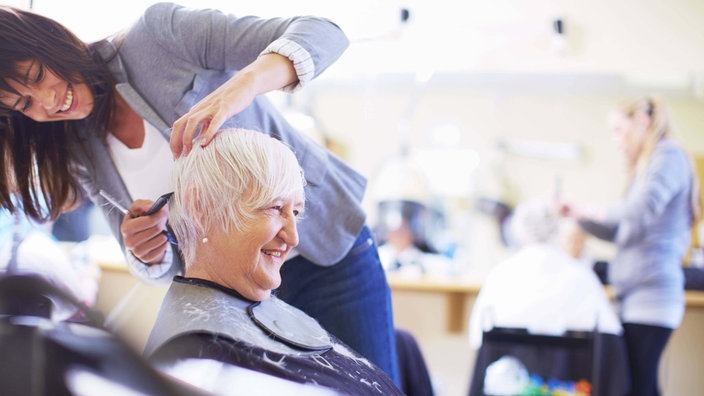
[(197, 211)]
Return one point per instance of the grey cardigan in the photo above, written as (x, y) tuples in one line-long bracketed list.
[(651, 230), (174, 56)]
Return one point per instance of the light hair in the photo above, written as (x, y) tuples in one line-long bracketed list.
[(222, 185), (534, 221), (658, 128)]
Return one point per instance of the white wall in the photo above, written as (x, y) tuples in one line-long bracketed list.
[(489, 109)]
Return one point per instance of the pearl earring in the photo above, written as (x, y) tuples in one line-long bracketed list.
[(205, 239)]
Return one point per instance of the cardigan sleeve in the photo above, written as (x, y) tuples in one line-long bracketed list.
[(222, 41), (666, 175)]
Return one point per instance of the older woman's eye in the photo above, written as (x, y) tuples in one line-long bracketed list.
[(275, 208)]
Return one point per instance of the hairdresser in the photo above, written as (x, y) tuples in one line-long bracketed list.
[(112, 115)]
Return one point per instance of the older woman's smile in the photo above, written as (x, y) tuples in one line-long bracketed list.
[(275, 253)]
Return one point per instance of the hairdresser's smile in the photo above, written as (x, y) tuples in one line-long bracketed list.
[(68, 100), (44, 96)]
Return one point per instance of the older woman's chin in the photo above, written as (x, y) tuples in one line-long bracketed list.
[(257, 294), (272, 283)]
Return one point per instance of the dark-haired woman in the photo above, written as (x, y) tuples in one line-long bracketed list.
[(79, 118)]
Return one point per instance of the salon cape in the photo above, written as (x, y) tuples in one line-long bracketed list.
[(215, 324)]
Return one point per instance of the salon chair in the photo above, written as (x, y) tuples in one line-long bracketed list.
[(42, 356), (596, 357)]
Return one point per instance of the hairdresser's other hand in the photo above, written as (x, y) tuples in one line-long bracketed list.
[(143, 235), (564, 208), (582, 211), (268, 72)]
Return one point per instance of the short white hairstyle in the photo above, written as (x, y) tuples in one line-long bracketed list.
[(534, 221), (221, 185)]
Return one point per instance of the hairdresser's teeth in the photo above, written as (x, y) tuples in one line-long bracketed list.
[(69, 100)]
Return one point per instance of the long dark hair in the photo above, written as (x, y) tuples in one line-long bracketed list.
[(37, 158)]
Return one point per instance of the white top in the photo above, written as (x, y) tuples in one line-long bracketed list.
[(146, 171), (544, 290)]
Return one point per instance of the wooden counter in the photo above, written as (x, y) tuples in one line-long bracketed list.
[(457, 291)]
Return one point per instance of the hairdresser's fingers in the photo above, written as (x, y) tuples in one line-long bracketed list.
[(143, 235), (148, 243), (153, 250), (212, 129), (562, 207), (184, 130), (229, 99), (217, 108), (203, 120)]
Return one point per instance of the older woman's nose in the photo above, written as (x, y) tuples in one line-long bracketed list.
[(289, 232)]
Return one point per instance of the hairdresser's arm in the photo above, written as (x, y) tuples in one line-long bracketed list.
[(269, 72), (600, 229), (264, 55), (598, 221)]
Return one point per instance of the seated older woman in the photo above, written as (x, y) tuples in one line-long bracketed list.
[(234, 213)]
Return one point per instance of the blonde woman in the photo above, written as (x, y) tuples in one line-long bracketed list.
[(651, 230)]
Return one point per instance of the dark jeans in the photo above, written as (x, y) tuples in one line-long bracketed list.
[(645, 345), (351, 299)]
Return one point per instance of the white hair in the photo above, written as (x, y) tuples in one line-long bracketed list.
[(223, 184), (534, 221)]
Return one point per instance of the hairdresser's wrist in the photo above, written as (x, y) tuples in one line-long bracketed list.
[(150, 272), (299, 59)]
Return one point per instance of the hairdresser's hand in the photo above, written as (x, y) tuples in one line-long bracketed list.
[(564, 208), (581, 211), (143, 235), (267, 73), (210, 113)]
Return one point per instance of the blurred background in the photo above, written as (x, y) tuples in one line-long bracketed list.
[(468, 108)]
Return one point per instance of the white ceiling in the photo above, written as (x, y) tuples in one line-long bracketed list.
[(650, 42)]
